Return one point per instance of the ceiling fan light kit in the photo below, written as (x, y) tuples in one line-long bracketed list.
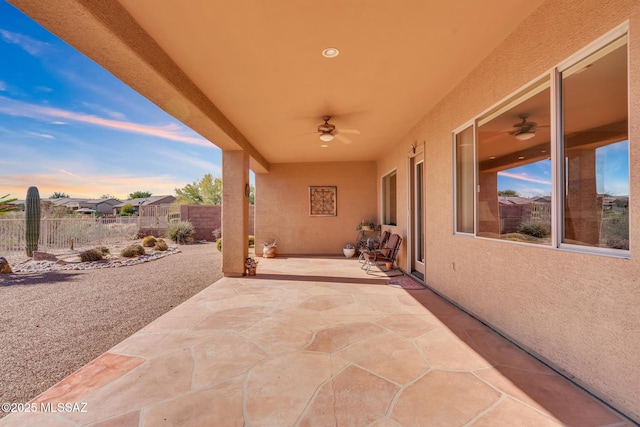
[(330, 52), (328, 131), (523, 136)]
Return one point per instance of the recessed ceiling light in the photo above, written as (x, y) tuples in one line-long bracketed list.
[(324, 146), (521, 157), (492, 158), (330, 52)]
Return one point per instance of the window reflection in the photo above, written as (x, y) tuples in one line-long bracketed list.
[(514, 168), (596, 150)]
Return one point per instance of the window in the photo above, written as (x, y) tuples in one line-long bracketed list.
[(389, 199), (595, 149), (464, 181), (514, 168), (551, 162)]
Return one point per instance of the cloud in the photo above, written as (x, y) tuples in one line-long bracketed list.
[(41, 135), (111, 113), (171, 131), (190, 159), (32, 46), (524, 177), (3, 86)]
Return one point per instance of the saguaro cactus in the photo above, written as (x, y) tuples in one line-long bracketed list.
[(32, 219)]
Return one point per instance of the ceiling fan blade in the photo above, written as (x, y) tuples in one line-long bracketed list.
[(343, 138), (351, 131)]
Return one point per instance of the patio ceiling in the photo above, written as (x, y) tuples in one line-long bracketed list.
[(260, 67)]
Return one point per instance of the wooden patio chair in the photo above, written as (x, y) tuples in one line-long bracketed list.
[(386, 254)]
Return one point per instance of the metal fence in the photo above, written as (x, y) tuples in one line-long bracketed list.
[(63, 235), (158, 216)]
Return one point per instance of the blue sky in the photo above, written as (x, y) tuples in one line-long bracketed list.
[(68, 125), (612, 174)]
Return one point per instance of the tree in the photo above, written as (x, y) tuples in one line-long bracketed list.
[(5, 206), (508, 193), (59, 195), (207, 191), (107, 196), (127, 210), (139, 195)]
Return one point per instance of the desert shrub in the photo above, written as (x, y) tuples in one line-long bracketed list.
[(535, 229), (161, 245), (132, 250), (180, 231), (614, 230), (252, 240), (103, 250), (91, 255), (149, 242), (127, 210)]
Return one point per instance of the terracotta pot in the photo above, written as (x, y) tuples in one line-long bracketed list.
[(251, 271), (389, 265), (268, 252)]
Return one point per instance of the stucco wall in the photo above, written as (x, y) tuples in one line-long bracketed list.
[(577, 311), (282, 205)]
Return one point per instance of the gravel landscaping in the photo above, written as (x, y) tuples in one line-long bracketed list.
[(54, 322)]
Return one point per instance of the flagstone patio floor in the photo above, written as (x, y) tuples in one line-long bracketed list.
[(315, 342)]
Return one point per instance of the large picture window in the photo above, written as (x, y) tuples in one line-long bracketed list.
[(552, 161)]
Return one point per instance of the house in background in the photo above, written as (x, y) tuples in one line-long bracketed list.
[(71, 204), (435, 105), (164, 201)]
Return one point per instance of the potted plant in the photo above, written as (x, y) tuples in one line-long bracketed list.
[(251, 264), (349, 250), (366, 225), (269, 250)]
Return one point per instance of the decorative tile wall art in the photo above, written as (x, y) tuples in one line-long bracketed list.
[(323, 201)]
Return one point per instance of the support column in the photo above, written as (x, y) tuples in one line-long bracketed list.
[(235, 212), (583, 206), (488, 205)]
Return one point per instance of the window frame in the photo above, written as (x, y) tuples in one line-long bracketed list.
[(557, 168), (383, 207), (470, 124)]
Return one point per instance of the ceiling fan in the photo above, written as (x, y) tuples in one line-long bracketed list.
[(328, 131), (524, 130)]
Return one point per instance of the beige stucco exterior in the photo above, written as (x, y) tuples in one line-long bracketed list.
[(578, 312), (574, 310), (235, 211), (282, 206)]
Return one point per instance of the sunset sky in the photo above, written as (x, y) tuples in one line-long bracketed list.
[(68, 125)]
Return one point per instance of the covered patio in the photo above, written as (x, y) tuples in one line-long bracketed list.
[(388, 108), (313, 341)]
